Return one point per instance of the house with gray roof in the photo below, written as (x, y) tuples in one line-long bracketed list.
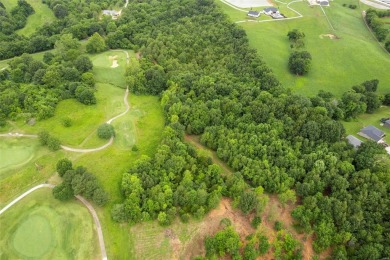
[(372, 133), (254, 14), (387, 123), (355, 142), (271, 10)]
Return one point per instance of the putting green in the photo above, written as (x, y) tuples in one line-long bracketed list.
[(33, 238), (40, 227), (16, 152)]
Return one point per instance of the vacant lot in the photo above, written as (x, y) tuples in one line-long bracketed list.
[(40, 227), (348, 59)]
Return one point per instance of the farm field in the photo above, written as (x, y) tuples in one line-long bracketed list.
[(342, 58), (40, 227), (354, 126)]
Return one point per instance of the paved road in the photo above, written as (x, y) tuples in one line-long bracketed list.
[(85, 202)]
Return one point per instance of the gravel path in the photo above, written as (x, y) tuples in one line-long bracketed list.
[(84, 201)]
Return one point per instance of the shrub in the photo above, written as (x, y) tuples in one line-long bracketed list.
[(53, 143), (67, 122), (106, 131), (278, 225), (256, 222), (63, 166)]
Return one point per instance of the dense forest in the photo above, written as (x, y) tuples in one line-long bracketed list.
[(212, 83)]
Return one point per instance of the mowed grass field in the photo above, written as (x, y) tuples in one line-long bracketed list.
[(16, 152), (40, 227), (354, 126), (43, 14), (338, 64)]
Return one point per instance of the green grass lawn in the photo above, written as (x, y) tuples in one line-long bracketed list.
[(43, 14), (102, 67), (354, 126), (40, 227), (338, 64), (16, 152)]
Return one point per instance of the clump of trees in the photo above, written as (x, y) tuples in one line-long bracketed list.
[(48, 140), (33, 88), (16, 18), (299, 62), (78, 181), (296, 38), (96, 44), (105, 131)]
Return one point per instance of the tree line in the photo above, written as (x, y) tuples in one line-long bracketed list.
[(382, 33)]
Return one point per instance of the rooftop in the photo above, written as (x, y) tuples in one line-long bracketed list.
[(354, 141), (373, 132)]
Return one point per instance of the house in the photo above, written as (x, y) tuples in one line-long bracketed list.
[(386, 122), (323, 2), (254, 14), (270, 10), (112, 13), (372, 133), (355, 142)]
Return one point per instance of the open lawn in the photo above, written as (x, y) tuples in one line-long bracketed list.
[(40, 227), (43, 14), (354, 126), (338, 64), (16, 152), (103, 70)]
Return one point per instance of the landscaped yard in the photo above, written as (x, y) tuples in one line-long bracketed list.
[(354, 126), (41, 227), (351, 58)]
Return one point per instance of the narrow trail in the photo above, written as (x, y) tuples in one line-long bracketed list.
[(81, 199), (18, 135)]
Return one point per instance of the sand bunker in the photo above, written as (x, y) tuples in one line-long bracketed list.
[(330, 36), (114, 61)]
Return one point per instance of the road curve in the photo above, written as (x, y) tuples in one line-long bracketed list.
[(84, 201)]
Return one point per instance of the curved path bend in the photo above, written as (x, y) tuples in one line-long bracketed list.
[(84, 201)]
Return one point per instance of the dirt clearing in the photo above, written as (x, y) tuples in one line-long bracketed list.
[(330, 36)]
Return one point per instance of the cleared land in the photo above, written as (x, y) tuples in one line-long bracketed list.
[(338, 64), (40, 227)]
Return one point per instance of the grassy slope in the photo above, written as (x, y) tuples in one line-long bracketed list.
[(354, 126), (337, 64), (61, 239), (43, 14)]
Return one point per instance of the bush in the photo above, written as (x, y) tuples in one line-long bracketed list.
[(256, 222), (53, 143), (67, 122), (106, 131), (43, 137), (134, 148), (278, 225)]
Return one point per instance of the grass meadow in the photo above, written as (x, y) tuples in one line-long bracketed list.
[(41, 227), (338, 64)]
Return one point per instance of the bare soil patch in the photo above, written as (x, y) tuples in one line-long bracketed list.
[(211, 225), (330, 36)]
